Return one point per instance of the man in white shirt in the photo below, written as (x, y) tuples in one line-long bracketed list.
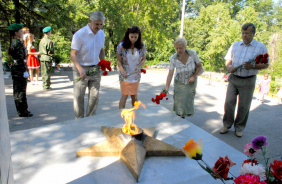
[(87, 48), (242, 81)]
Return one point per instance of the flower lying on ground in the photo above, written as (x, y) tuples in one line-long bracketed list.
[(276, 169), (220, 170), (103, 66), (250, 168), (258, 142), (251, 171), (164, 93), (193, 150), (248, 179), (222, 166)]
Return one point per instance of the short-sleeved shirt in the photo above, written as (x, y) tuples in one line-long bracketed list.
[(239, 53), (88, 45), (46, 49), (184, 72), (130, 61)]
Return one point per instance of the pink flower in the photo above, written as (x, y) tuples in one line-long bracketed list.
[(248, 179), (249, 150)]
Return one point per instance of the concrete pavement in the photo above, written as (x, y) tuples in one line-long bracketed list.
[(56, 106)]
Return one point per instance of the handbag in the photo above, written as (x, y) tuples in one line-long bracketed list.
[(202, 69)]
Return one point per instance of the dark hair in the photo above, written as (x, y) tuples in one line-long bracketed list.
[(247, 25), (127, 43)]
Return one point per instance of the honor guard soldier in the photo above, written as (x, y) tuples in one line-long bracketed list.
[(19, 69), (46, 49)]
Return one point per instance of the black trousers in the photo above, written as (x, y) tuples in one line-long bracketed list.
[(19, 92)]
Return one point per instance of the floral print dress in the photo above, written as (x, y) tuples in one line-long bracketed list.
[(130, 61)]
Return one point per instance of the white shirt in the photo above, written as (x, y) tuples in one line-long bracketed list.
[(184, 72), (239, 53), (88, 45)]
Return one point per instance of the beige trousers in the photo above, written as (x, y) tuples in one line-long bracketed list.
[(79, 88)]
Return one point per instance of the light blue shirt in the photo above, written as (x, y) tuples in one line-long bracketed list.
[(239, 53)]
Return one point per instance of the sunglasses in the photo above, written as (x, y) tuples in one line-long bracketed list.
[(133, 28)]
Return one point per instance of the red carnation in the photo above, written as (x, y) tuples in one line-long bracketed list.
[(157, 101), (276, 169), (166, 98), (222, 166), (143, 70), (153, 100), (264, 60), (163, 94), (250, 161), (105, 73), (265, 55), (158, 97)]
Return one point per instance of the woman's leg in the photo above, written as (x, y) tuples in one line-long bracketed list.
[(133, 99), (262, 98), (37, 73), (30, 74), (122, 101)]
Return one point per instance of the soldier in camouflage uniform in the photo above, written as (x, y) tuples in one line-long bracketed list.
[(46, 49), (19, 70)]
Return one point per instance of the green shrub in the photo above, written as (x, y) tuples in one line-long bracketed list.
[(274, 85)]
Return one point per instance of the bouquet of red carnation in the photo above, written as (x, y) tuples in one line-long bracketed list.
[(260, 59), (105, 65), (164, 93)]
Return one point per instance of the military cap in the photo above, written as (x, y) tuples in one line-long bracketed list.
[(46, 29), (15, 27)]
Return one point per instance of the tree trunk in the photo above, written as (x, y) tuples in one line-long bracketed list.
[(17, 9)]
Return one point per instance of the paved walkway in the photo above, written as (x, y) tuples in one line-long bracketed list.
[(56, 106)]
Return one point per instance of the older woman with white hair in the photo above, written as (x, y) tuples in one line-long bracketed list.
[(188, 66)]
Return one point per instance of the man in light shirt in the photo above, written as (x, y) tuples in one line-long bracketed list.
[(241, 81), (87, 48)]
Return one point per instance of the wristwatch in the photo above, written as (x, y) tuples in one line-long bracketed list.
[(254, 65)]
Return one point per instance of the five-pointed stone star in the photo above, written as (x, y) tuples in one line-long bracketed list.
[(129, 149)]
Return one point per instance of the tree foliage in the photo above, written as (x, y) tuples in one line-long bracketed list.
[(211, 26)]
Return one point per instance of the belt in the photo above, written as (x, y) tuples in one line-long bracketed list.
[(246, 77), (89, 65)]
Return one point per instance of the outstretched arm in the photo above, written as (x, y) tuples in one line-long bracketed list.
[(168, 79)]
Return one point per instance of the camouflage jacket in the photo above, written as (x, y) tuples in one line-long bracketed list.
[(18, 53), (46, 49)]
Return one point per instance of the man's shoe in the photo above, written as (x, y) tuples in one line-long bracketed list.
[(238, 134), (26, 115), (223, 130), (47, 89)]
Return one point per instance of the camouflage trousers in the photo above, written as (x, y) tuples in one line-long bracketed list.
[(46, 70), (19, 91)]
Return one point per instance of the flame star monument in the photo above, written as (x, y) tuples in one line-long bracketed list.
[(132, 148)]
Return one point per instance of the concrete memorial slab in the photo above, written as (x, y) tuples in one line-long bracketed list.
[(48, 154), (6, 170)]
